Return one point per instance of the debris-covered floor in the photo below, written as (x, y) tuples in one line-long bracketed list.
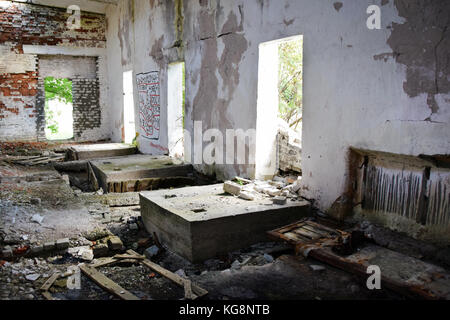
[(50, 228)]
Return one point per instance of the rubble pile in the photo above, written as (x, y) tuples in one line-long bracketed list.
[(279, 189)]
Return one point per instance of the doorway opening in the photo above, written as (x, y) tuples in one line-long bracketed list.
[(58, 109), (129, 129), (280, 87), (176, 96)]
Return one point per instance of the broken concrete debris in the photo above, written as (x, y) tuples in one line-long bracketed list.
[(62, 244), (151, 252), (315, 267), (100, 250), (232, 188), (278, 188), (279, 200), (37, 218)]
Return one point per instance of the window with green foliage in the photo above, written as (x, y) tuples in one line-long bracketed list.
[(290, 81), (58, 108)]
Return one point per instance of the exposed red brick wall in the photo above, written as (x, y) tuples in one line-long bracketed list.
[(39, 25), (26, 24)]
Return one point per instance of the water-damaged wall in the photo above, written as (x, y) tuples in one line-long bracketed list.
[(385, 90)]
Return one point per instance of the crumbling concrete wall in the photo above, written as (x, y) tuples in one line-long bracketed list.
[(289, 154), (26, 32), (362, 87)]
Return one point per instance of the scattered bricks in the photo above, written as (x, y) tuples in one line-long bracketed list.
[(100, 250), (114, 243), (62, 244), (49, 246), (232, 188), (7, 252), (21, 250), (279, 200)]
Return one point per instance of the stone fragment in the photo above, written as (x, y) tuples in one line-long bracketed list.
[(272, 191), (7, 252), (114, 243), (36, 249), (235, 265), (37, 218), (232, 188), (133, 226), (281, 200), (151, 252), (32, 277), (49, 246), (96, 234), (87, 255), (296, 185), (100, 250), (268, 257), (315, 267), (62, 244), (181, 273), (65, 177), (246, 195)]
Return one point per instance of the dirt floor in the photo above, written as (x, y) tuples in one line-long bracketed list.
[(38, 205)]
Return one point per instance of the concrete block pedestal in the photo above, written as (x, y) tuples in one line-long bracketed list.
[(202, 222)]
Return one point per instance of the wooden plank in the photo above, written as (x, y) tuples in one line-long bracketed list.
[(111, 261), (127, 256), (296, 237), (290, 228), (198, 291), (106, 283), (47, 295), (322, 227), (104, 262), (318, 231), (47, 284), (188, 294), (92, 177), (307, 233)]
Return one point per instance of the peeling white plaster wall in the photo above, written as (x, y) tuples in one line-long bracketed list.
[(351, 98)]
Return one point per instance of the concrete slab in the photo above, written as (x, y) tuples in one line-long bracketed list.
[(202, 222), (141, 172), (103, 150)]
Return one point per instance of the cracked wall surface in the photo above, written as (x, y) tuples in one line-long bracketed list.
[(357, 90)]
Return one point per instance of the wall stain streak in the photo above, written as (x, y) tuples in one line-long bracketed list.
[(408, 193)]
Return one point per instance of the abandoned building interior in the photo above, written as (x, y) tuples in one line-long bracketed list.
[(224, 149)]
